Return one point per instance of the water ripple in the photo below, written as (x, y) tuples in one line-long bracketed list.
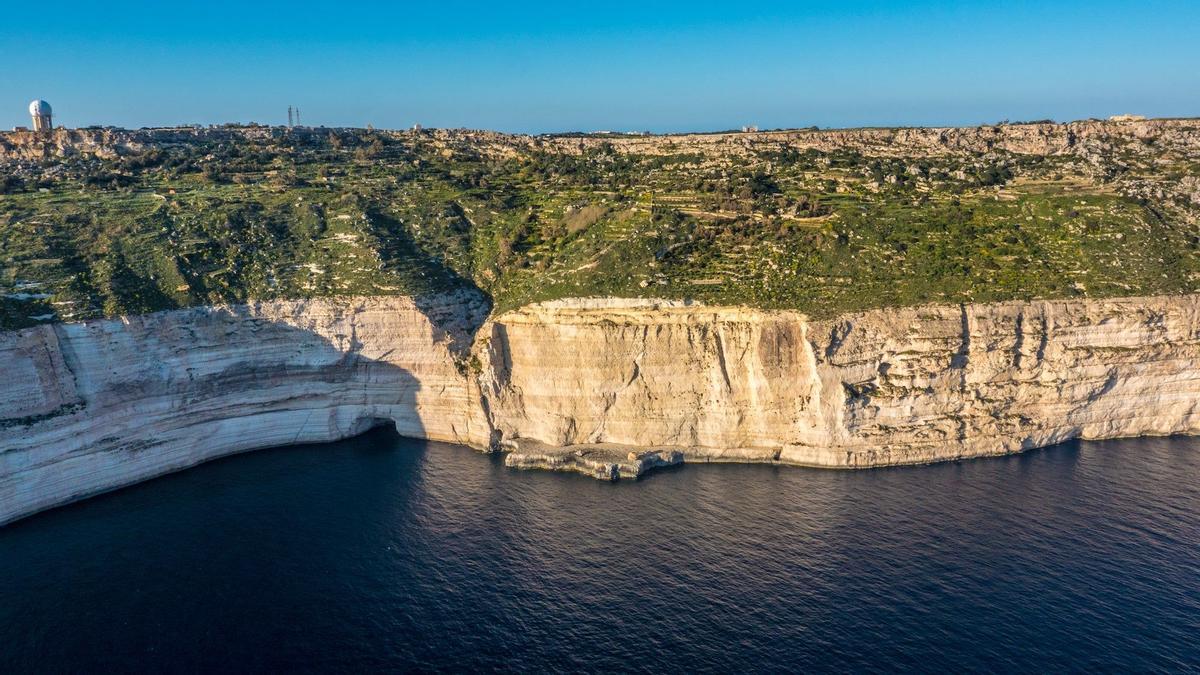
[(385, 553)]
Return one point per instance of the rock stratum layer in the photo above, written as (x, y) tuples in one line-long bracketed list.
[(605, 387), (885, 387), (92, 406)]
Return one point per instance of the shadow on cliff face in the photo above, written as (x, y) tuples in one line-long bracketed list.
[(347, 373), (419, 267), (164, 391)]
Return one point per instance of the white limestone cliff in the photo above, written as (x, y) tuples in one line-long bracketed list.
[(886, 387), (92, 406), (606, 387)]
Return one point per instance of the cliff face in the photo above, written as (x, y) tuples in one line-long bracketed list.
[(92, 406), (878, 388), (606, 387), (644, 374)]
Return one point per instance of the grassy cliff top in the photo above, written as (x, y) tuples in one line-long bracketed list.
[(106, 222)]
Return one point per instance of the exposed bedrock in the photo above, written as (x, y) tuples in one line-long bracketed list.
[(886, 387), (93, 406), (604, 387)]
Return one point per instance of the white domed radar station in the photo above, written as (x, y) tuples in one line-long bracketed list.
[(40, 111)]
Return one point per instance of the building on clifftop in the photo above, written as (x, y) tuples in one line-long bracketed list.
[(40, 111)]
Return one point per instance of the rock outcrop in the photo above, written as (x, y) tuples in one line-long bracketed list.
[(1082, 138), (609, 388)]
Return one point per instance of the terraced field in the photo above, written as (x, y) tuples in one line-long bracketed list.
[(816, 221)]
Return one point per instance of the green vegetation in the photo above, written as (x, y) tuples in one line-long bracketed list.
[(240, 216)]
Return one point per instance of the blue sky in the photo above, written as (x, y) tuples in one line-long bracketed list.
[(537, 66)]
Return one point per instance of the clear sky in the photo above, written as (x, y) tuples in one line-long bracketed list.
[(559, 66)]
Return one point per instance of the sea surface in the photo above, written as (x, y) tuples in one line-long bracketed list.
[(382, 553)]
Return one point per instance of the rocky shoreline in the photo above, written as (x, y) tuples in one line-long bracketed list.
[(609, 388)]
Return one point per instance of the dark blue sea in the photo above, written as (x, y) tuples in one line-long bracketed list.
[(381, 553)]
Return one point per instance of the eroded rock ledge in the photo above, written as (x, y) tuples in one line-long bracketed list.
[(609, 388)]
